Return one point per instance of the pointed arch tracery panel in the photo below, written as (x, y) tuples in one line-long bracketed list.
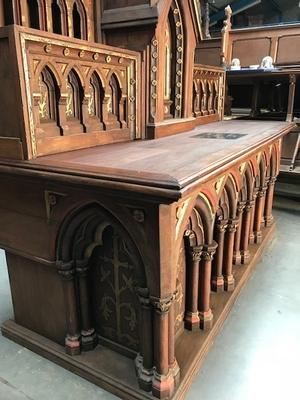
[(96, 99), (106, 275), (75, 96), (114, 279), (199, 251), (49, 96)]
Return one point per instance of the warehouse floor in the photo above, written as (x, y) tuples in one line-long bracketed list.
[(255, 357)]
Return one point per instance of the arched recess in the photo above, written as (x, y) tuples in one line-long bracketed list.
[(199, 249), (270, 185), (105, 275), (174, 52), (36, 14), (49, 92), (244, 206), (79, 20), (116, 104), (48, 103), (59, 17), (96, 99), (75, 96), (260, 189), (224, 233)]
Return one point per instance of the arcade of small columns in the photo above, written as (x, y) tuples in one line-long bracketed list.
[(213, 245), (226, 217)]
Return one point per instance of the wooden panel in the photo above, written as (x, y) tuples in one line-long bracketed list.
[(11, 148), (80, 141), (251, 51), (9, 113), (288, 50), (208, 52), (33, 285)]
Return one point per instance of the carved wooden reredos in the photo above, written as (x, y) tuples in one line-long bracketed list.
[(144, 85)]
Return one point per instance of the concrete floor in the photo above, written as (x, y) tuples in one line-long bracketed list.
[(255, 357)]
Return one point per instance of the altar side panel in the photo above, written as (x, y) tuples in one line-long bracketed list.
[(37, 297)]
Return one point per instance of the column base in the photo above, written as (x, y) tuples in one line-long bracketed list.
[(72, 344), (245, 255), (175, 371), (269, 221), (206, 320), (163, 385), (258, 237), (89, 340), (217, 284), (191, 321), (144, 375), (229, 283), (237, 259), (251, 238)]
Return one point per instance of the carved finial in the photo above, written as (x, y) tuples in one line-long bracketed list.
[(228, 13), (225, 36)]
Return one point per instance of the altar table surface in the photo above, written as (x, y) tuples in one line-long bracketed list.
[(169, 163)]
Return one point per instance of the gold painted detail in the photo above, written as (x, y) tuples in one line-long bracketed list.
[(51, 201), (203, 197), (180, 213), (48, 48), (242, 168), (66, 51)]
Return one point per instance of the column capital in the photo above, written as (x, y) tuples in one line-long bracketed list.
[(162, 306), (249, 205), (262, 190), (66, 268), (143, 296), (209, 251), (232, 225), (240, 206), (82, 266), (255, 191), (195, 253), (221, 225), (272, 181)]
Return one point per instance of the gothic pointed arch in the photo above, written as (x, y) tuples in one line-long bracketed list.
[(93, 240), (75, 96), (173, 45), (116, 107), (95, 106), (59, 17), (199, 250), (79, 20), (49, 97), (232, 196), (36, 12)]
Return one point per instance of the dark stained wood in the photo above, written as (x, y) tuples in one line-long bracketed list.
[(118, 246), (116, 373)]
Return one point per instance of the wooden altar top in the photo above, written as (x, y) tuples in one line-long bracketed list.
[(164, 167)]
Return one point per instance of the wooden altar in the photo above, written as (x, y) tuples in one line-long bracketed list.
[(125, 255)]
